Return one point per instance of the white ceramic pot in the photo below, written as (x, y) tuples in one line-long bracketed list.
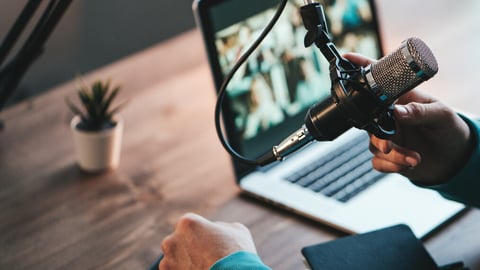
[(97, 151)]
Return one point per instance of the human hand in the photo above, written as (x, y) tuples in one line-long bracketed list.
[(198, 243), (431, 144)]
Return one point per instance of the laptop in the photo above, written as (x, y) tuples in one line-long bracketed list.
[(331, 182)]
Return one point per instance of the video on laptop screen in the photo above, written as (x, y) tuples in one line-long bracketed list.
[(271, 92)]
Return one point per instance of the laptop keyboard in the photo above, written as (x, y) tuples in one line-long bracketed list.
[(341, 175)]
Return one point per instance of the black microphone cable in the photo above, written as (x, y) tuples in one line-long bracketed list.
[(269, 157)]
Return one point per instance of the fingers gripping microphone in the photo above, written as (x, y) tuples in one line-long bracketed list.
[(363, 98)]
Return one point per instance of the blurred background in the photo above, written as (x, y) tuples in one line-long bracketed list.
[(94, 33)]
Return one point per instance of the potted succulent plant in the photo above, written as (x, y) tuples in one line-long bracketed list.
[(97, 127)]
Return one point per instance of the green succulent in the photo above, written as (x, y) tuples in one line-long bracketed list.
[(95, 112)]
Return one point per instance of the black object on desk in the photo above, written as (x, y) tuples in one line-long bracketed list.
[(393, 248)]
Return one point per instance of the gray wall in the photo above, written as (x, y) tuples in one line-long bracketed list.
[(93, 33)]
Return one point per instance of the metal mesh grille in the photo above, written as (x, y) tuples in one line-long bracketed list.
[(423, 56), (395, 76)]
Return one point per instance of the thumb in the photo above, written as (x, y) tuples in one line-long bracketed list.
[(415, 113)]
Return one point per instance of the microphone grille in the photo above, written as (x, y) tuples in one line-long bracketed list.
[(400, 71)]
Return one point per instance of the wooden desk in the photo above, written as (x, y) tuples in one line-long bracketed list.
[(53, 216)]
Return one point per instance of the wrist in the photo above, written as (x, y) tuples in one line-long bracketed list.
[(471, 142)]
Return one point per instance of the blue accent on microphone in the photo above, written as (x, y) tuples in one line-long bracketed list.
[(420, 74)]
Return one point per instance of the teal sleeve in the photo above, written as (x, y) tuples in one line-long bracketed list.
[(465, 185), (241, 260)]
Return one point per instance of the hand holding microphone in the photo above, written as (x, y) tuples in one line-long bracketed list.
[(363, 97), (432, 141)]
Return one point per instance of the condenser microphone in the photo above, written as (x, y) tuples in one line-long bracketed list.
[(402, 70), (363, 98)]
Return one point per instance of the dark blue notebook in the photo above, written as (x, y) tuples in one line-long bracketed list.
[(392, 248)]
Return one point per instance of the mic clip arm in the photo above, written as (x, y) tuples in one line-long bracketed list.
[(382, 124), (314, 21)]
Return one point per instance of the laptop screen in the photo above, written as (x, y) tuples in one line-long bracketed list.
[(268, 97)]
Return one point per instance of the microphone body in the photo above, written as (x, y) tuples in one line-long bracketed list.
[(363, 98)]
